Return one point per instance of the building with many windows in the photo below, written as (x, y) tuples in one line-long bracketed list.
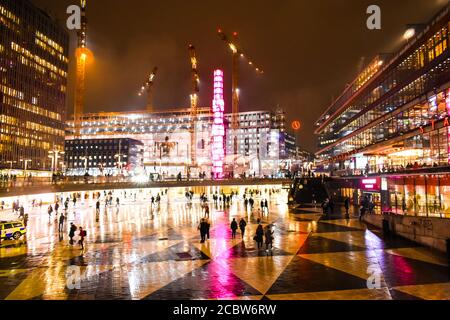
[(391, 128), (33, 79), (259, 146), (103, 156), (166, 137)]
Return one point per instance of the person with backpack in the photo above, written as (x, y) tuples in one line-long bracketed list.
[(82, 234), (72, 230), (242, 226), (234, 227)]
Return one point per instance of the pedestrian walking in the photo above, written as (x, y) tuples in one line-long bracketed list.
[(259, 235), (56, 207), (206, 211), (50, 211), (269, 239), (82, 235), (25, 219), (97, 206), (21, 212), (234, 227), (72, 230), (203, 230), (266, 205), (242, 226), (331, 205), (207, 227), (347, 207), (61, 222)]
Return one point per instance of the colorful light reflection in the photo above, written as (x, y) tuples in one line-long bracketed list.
[(218, 127)]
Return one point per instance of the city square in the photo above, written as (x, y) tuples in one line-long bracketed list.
[(264, 153), (136, 250)]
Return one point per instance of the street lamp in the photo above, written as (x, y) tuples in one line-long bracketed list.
[(54, 154), (10, 166), (119, 162), (86, 158), (25, 163)]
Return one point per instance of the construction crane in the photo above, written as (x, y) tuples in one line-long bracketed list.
[(237, 53), (194, 102), (148, 86), (82, 55)]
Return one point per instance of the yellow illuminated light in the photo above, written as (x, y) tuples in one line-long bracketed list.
[(407, 153)]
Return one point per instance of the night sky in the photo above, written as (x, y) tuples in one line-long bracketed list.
[(309, 50)]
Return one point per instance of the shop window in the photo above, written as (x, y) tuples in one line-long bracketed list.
[(408, 205)]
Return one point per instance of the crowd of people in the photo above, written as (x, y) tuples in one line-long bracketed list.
[(59, 211)]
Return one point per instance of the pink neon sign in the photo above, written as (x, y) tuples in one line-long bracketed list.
[(447, 105), (218, 127)]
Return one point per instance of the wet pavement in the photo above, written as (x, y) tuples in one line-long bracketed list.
[(136, 251)]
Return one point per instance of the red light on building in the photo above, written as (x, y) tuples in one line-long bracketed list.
[(296, 125)]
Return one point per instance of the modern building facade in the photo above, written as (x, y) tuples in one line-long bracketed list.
[(391, 128), (165, 136), (33, 83), (260, 144), (103, 156)]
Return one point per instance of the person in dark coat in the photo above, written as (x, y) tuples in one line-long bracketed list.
[(259, 236), (61, 222), (203, 230), (347, 207), (234, 227), (242, 226), (207, 227), (268, 234), (72, 230)]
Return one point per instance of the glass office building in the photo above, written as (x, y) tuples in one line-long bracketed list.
[(393, 123), (33, 83)]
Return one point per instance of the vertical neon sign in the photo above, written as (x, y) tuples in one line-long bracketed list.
[(447, 105), (218, 127)]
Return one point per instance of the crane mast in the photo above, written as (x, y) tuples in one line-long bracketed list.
[(148, 86), (194, 102), (81, 54), (237, 54)]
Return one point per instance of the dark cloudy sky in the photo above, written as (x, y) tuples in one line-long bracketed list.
[(309, 49)]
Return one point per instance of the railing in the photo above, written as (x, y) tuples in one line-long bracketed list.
[(398, 169), (77, 180)]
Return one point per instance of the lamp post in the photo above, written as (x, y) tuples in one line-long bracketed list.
[(10, 166), (119, 157), (54, 154), (25, 163), (85, 158)]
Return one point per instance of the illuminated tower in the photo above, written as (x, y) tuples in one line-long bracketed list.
[(218, 127), (82, 55)]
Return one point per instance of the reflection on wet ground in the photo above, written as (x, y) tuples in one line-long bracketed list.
[(139, 251)]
